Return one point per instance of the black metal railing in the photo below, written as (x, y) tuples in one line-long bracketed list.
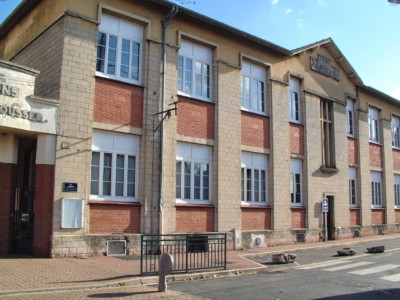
[(190, 251)]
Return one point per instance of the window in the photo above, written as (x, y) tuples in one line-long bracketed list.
[(350, 117), (253, 87), (376, 191), (254, 179), (397, 191), (294, 100), (194, 70), (327, 136), (295, 182), (193, 173), (353, 187), (114, 167), (373, 122), (396, 132), (119, 49)]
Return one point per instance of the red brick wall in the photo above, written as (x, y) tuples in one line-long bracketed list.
[(118, 103), (107, 217), (396, 160), (298, 216), (352, 151), (194, 219), (397, 216), (296, 139), (355, 217), (375, 155), (7, 193), (378, 216), (256, 218), (255, 130), (196, 118), (43, 210)]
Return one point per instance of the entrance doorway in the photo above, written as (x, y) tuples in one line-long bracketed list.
[(23, 216), (331, 218)]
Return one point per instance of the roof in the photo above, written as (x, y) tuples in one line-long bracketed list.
[(337, 54)]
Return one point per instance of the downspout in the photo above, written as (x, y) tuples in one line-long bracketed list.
[(164, 23)]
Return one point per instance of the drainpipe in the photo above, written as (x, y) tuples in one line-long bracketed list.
[(164, 23)]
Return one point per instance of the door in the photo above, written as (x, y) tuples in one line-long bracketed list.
[(23, 216)]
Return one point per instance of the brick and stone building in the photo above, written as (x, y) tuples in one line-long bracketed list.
[(119, 118)]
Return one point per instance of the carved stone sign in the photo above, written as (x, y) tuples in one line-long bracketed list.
[(324, 66)]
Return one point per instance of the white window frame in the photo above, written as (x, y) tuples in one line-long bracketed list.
[(193, 155), (376, 189), (353, 187), (296, 182), (373, 124), (294, 100), (254, 191), (191, 83), (396, 132), (396, 180), (350, 118), (122, 30), (115, 144), (253, 98)]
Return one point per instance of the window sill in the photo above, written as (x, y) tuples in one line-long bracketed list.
[(180, 94), (328, 170), (378, 208), (265, 206), (375, 143), (243, 109), (193, 205), (114, 202), (296, 122), (354, 208), (118, 79), (297, 207), (395, 148), (352, 137)]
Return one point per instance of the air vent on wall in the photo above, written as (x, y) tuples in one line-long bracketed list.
[(300, 237), (380, 231), (117, 247), (357, 233)]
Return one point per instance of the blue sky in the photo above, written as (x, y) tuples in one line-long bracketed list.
[(366, 31)]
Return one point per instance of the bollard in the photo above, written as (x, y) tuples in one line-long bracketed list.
[(165, 267)]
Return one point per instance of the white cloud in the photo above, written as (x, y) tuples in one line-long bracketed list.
[(396, 93), (300, 23), (275, 2), (288, 11)]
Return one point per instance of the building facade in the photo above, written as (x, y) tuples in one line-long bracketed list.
[(134, 117)]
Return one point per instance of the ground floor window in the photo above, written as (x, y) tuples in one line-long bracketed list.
[(296, 182), (353, 187), (376, 189), (114, 163), (254, 178), (193, 172), (397, 191)]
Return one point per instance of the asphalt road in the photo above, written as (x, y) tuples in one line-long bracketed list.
[(317, 274)]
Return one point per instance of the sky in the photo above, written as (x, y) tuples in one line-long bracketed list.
[(366, 31)]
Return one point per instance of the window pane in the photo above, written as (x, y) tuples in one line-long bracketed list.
[(243, 187), (261, 96), (135, 62), (112, 55), (206, 181), (247, 92), (94, 174), (188, 75), (249, 185), (263, 184), (101, 51), (254, 94), (198, 79), (125, 53), (178, 180), (298, 189), (187, 185), (196, 174), (119, 180), (180, 73), (206, 81), (107, 174), (256, 185), (131, 176)]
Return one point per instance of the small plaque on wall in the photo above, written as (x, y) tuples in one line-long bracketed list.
[(70, 187)]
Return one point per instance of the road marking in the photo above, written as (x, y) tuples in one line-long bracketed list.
[(321, 265), (359, 264), (375, 269), (393, 278)]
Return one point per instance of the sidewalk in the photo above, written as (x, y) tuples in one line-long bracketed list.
[(20, 276)]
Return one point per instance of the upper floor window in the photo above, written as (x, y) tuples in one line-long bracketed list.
[(396, 132), (327, 135), (373, 122), (350, 117), (254, 178), (296, 171), (193, 163), (253, 87), (294, 100), (114, 167), (194, 70), (376, 189), (119, 48), (353, 187), (397, 191)]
